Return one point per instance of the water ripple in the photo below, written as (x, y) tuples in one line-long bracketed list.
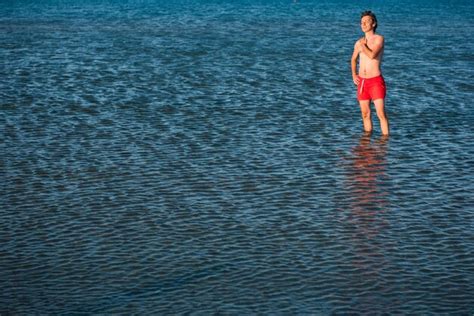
[(207, 157)]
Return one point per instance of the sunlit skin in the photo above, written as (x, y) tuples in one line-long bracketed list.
[(368, 52)]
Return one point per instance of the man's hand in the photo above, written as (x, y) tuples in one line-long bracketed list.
[(363, 41), (356, 79)]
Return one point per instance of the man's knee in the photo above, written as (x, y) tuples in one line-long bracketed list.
[(365, 113), (382, 115), (379, 106)]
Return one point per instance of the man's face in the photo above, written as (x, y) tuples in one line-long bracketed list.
[(366, 24)]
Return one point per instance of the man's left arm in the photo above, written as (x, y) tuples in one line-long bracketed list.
[(373, 52)]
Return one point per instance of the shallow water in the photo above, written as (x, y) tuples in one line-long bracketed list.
[(208, 157)]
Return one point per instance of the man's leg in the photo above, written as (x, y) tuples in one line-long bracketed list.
[(380, 108), (365, 111)]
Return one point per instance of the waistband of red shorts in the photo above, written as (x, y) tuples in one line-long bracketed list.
[(368, 80)]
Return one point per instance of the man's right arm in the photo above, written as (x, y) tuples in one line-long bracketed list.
[(354, 57)]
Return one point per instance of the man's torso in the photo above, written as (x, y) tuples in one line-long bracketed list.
[(369, 68)]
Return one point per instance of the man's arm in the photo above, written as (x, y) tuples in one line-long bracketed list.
[(354, 57), (376, 49)]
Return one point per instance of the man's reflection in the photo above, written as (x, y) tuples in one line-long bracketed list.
[(366, 176), (367, 219)]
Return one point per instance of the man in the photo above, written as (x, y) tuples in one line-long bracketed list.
[(370, 83)]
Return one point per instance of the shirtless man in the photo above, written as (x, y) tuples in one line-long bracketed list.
[(370, 83)]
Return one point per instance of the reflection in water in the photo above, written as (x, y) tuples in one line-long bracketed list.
[(365, 179), (367, 208)]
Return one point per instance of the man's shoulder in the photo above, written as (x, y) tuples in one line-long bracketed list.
[(379, 37), (358, 40)]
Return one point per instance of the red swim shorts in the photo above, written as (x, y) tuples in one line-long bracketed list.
[(371, 88)]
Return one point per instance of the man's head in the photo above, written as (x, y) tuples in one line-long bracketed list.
[(368, 17)]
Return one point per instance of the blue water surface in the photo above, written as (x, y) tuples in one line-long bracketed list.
[(207, 157)]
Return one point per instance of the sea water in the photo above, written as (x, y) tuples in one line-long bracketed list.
[(176, 157)]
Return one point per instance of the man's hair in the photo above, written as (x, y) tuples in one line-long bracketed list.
[(372, 15)]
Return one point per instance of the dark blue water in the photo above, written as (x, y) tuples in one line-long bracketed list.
[(207, 157)]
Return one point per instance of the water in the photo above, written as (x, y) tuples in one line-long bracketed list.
[(207, 157)]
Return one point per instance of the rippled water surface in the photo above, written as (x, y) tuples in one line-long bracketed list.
[(207, 156)]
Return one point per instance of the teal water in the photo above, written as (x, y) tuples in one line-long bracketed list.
[(207, 157)]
